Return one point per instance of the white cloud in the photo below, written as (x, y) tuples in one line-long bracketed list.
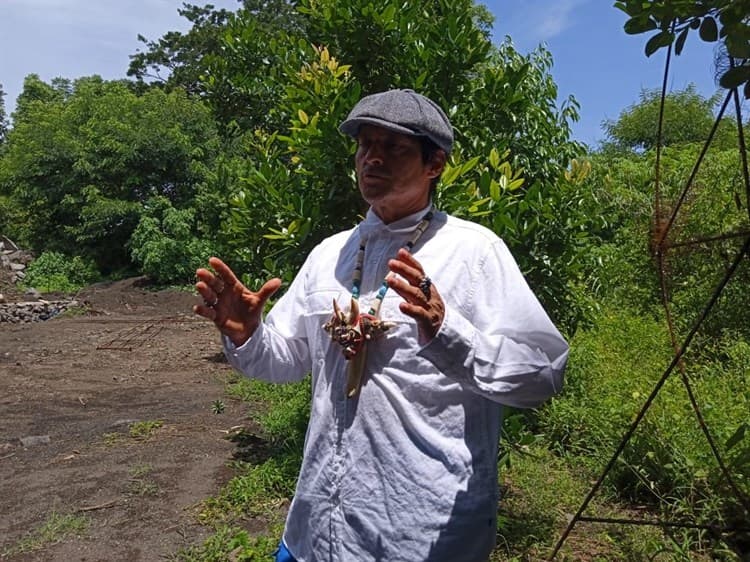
[(530, 22)]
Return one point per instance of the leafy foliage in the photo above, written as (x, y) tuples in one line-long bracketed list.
[(164, 243), (202, 60), (674, 20), (82, 159), (56, 272), (688, 118), (668, 461)]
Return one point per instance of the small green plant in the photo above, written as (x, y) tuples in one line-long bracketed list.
[(231, 543), (140, 470), (56, 272), (112, 438), (141, 487), (144, 429), (55, 529), (218, 407), (139, 484)]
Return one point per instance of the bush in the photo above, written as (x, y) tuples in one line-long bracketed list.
[(613, 369), (56, 272), (165, 245)]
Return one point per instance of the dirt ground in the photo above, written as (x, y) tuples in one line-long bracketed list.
[(71, 389)]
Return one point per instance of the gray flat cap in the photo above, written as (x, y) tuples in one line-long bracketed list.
[(402, 111)]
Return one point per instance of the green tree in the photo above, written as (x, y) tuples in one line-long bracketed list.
[(165, 244), (704, 235), (727, 21), (190, 60), (3, 117), (501, 103), (82, 159), (688, 118)]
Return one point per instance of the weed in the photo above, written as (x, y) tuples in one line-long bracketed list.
[(141, 487), (144, 429), (231, 543), (218, 407), (113, 438), (73, 312), (55, 529), (140, 470)]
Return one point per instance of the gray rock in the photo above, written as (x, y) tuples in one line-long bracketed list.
[(33, 440)]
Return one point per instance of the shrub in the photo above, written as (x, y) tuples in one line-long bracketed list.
[(165, 245), (56, 272), (613, 369)]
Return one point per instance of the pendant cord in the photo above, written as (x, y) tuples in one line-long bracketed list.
[(357, 274)]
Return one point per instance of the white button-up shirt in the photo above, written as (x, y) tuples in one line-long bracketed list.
[(408, 469)]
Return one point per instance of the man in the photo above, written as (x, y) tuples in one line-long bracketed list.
[(409, 372)]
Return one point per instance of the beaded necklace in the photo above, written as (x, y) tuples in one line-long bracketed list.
[(353, 329)]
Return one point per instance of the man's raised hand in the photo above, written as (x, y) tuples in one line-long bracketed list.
[(233, 308)]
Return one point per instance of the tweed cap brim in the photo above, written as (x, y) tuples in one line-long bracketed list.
[(401, 111)]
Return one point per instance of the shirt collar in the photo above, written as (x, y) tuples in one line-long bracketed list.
[(373, 225)]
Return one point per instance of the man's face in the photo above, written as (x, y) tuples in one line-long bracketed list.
[(391, 174)]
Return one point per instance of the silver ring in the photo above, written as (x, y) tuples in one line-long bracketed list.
[(211, 304), (424, 285)]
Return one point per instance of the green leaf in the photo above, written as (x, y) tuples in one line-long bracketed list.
[(738, 48), (738, 436), (495, 189), (733, 77), (680, 43), (639, 24), (709, 32), (658, 41), (494, 158)]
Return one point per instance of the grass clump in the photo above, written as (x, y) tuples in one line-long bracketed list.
[(233, 543), (144, 429), (56, 528)]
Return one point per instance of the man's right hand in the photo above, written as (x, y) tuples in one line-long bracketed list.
[(233, 308)]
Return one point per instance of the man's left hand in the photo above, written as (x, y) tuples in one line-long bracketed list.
[(421, 299)]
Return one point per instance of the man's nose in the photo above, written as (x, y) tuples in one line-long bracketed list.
[(374, 154)]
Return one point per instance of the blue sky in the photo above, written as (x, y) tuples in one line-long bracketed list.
[(593, 58)]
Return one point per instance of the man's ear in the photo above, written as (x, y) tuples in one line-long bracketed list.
[(437, 163)]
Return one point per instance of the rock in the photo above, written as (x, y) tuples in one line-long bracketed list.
[(33, 293), (8, 243), (32, 440), (34, 311)]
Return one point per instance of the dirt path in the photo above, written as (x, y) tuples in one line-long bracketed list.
[(72, 388)]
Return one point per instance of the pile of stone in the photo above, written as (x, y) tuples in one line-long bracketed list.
[(13, 259), (36, 311), (32, 307)]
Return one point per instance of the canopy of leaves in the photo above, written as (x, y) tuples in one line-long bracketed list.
[(687, 118), (299, 186), (82, 158), (727, 21), (185, 60)]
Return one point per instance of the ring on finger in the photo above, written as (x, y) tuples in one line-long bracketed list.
[(211, 304), (425, 284)]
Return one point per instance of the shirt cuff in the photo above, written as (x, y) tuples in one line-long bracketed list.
[(452, 348)]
